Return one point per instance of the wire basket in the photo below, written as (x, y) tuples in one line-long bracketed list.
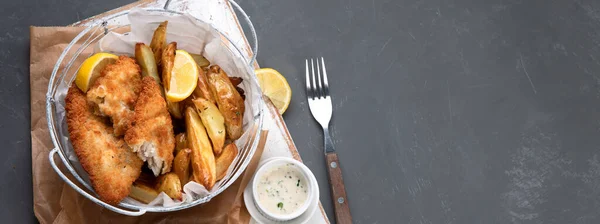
[(83, 46)]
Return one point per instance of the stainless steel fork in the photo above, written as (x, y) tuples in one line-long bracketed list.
[(319, 102)]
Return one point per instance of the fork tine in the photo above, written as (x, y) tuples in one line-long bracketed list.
[(314, 84), (309, 92), (325, 83), (319, 85)]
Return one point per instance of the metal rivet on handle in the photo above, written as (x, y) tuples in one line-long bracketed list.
[(340, 200), (333, 164)]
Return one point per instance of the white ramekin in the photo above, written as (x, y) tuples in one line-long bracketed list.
[(308, 176)]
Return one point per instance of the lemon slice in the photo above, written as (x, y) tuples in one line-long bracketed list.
[(91, 69), (276, 87), (184, 77)]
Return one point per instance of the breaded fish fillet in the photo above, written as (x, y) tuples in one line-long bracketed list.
[(151, 131), (114, 93), (110, 163)]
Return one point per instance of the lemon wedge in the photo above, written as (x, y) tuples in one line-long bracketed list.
[(91, 69), (276, 87), (184, 77)]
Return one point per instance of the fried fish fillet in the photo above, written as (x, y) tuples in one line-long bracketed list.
[(115, 92), (151, 134), (110, 163)]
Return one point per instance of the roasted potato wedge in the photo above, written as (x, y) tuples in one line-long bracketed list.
[(213, 121), (241, 92), (203, 159), (167, 61), (187, 102), (181, 165), (202, 90), (146, 177), (159, 41), (228, 99), (200, 60), (174, 109), (171, 185), (145, 58), (180, 142), (235, 81), (224, 160), (143, 192)]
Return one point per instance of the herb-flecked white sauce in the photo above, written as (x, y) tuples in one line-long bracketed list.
[(282, 189)]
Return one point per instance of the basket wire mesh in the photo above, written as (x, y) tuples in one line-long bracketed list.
[(63, 74)]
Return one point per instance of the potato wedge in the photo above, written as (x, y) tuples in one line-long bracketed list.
[(235, 81), (241, 92), (174, 109), (202, 90), (181, 165), (200, 60), (224, 160), (180, 142), (146, 178), (167, 62), (187, 102), (145, 58), (171, 185), (203, 159), (159, 41), (143, 192), (213, 121), (228, 99)]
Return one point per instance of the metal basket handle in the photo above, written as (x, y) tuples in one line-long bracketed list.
[(246, 19), (252, 31), (84, 193)]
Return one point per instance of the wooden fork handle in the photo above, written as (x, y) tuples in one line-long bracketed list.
[(338, 191)]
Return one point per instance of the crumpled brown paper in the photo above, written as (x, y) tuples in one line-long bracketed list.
[(56, 202)]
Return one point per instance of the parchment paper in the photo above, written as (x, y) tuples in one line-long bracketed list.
[(56, 202)]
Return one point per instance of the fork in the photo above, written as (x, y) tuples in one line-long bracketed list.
[(319, 102)]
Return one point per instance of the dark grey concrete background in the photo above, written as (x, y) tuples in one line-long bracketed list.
[(456, 111)]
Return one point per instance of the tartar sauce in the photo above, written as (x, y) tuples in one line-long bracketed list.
[(282, 189)]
